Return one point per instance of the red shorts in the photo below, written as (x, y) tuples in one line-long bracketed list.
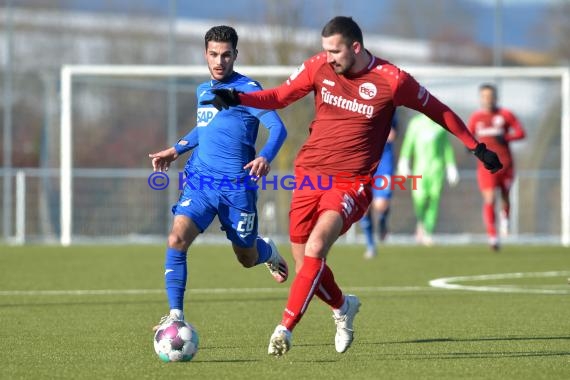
[(502, 179), (308, 204)]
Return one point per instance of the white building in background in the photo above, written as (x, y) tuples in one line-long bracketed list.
[(46, 39)]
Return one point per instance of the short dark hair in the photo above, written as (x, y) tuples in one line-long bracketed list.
[(221, 33), (488, 86), (346, 27)]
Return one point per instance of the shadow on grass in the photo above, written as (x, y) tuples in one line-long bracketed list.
[(462, 355), (284, 358), (218, 361), (327, 346), (477, 355), (482, 339), (474, 355)]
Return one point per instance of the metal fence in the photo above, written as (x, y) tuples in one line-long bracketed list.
[(119, 206)]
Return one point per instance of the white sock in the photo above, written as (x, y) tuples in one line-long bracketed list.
[(177, 313), (343, 309)]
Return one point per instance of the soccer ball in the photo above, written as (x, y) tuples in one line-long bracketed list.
[(176, 341)]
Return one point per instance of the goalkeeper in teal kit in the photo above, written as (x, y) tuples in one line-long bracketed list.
[(221, 174), (433, 158)]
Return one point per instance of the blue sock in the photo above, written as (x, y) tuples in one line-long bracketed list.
[(175, 273), (263, 251), (366, 225)]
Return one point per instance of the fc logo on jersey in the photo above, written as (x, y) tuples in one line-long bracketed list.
[(367, 91), (205, 115)]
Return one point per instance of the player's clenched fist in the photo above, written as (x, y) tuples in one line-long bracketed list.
[(489, 158), (223, 98)]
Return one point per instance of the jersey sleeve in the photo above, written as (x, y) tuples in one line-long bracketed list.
[(516, 131), (271, 121), (411, 94), (299, 84), (277, 134), (188, 142)]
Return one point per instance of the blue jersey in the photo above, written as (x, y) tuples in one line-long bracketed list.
[(224, 141)]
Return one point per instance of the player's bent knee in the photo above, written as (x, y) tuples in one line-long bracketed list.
[(175, 240), (315, 248)]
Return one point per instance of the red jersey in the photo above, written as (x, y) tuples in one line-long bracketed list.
[(353, 113), (496, 129)]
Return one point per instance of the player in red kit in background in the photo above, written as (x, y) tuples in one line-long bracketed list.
[(356, 95), (496, 127)]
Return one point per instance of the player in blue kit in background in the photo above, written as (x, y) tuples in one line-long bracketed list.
[(224, 149), (380, 206)]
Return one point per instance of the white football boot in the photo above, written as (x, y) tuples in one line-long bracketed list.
[(370, 254), (277, 265), (174, 315), (280, 341), (344, 329)]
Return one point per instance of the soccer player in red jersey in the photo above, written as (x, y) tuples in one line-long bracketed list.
[(356, 95), (496, 127)]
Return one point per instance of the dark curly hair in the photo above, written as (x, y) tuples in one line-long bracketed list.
[(221, 33)]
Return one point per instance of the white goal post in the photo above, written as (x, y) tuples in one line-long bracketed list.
[(69, 72)]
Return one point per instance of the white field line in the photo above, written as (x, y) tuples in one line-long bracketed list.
[(448, 283), (451, 283), (120, 292)]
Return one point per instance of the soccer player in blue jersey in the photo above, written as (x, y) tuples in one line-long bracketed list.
[(221, 173), (381, 195)]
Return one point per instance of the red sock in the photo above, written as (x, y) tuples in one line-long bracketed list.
[(328, 290), (489, 219), (302, 290)]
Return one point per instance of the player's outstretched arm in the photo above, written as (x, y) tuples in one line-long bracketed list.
[(410, 94), (297, 86), (161, 160)]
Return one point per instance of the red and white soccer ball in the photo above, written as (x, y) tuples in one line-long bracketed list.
[(176, 341)]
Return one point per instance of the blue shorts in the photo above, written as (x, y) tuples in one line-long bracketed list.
[(236, 210), (383, 176)]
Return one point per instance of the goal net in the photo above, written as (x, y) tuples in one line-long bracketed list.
[(113, 116)]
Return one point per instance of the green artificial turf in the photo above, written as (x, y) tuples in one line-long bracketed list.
[(405, 329)]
